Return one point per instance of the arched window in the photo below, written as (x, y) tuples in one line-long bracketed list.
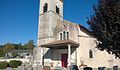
[(64, 35), (67, 35), (60, 36), (57, 10), (90, 54), (45, 7)]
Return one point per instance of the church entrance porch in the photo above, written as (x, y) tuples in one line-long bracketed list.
[(59, 53)]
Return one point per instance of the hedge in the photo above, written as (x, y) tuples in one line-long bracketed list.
[(15, 63), (12, 63), (3, 65)]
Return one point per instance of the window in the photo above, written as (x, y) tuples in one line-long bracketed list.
[(64, 35), (67, 35), (45, 7), (90, 54), (60, 36), (57, 10)]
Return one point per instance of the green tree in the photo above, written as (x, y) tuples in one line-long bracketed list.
[(2, 52), (105, 25), (29, 45), (8, 47), (18, 46)]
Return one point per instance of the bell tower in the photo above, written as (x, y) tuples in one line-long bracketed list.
[(55, 6), (50, 12)]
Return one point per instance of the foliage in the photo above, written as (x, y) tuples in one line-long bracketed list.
[(15, 63), (14, 54), (12, 63), (29, 45), (8, 47), (18, 46), (3, 65), (2, 52), (105, 25)]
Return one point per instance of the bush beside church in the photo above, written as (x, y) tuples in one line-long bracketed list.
[(12, 63)]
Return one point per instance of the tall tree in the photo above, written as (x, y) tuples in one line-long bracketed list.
[(8, 47), (2, 52), (105, 25), (29, 45), (18, 46)]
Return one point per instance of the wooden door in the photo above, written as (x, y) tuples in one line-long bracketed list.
[(64, 60)]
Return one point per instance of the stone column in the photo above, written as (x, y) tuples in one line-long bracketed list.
[(41, 56), (69, 55)]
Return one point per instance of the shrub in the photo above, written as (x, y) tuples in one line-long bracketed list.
[(3, 65), (15, 63), (14, 55)]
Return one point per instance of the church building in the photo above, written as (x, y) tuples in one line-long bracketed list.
[(64, 43)]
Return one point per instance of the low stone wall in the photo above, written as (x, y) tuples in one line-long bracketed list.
[(39, 67), (24, 60)]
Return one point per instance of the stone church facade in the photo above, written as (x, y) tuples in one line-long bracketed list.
[(64, 43)]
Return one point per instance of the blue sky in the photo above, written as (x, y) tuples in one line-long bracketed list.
[(19, 18)]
